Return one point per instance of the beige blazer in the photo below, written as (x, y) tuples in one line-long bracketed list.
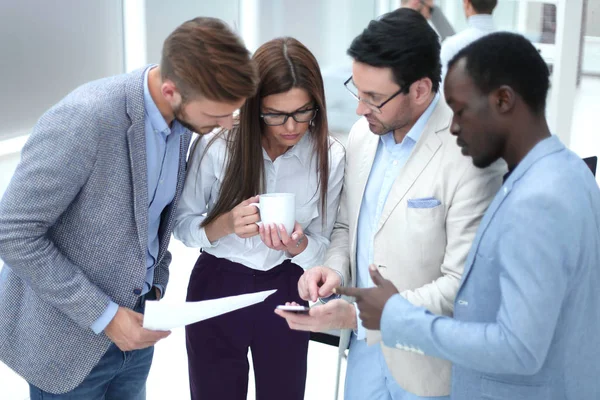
[(423, 249)]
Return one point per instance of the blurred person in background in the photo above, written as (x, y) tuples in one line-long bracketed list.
[(423, 7), (481, 23), (434, 15)]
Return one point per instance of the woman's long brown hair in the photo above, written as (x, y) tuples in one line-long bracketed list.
[(283, 64)]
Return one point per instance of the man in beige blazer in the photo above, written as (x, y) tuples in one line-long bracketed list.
[(411, 204)]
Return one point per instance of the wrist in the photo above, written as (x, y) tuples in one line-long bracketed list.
[(225, 221), (298, 246), (219, 227), (351, 320)]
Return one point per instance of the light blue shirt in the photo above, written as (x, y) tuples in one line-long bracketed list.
[(389, 160), (479, 26), (162, 161)]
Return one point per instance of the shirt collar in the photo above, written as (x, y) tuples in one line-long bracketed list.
[(415, 132), (484, 22), (159, 125)]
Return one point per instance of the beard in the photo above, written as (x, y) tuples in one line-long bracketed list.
[(380, 128), (492, 151), (181, 118)]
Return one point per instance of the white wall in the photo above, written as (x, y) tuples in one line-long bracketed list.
[(326, 27), (163, 16), (47, 48), (593, 18)]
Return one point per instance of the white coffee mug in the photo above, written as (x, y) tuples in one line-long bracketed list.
[(278, 208)]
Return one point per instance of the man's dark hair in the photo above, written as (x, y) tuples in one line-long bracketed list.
[(484, 6), (509, 59), (403, 41)]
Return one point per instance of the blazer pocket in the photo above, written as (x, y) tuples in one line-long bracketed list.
[(425, 202), (422, 210), (500, 390)]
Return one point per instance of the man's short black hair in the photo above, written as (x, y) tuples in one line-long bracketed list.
[(403, 41), (505, 58), (484, 6)]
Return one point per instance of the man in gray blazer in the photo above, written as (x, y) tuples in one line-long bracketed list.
[(87, 217), (527, 314)]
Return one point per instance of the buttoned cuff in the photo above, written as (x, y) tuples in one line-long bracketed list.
[(161, 288), (307, 257), (360, 331), (200, 235), (396, 307), (102, 322)]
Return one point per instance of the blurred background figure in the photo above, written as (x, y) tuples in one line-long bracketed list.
[(425, 7), (434, 15), (479, 18)]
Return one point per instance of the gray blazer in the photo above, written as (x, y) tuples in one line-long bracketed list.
[(73, 231)]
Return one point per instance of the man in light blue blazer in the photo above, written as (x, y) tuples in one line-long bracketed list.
[(527, 315), (86, 220)]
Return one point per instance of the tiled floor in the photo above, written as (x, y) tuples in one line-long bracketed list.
[(168, 376)]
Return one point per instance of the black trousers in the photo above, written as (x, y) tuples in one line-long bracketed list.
[(217, 348)]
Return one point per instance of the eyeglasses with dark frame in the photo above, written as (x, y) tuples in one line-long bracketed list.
[(300, 116), (373, 107)]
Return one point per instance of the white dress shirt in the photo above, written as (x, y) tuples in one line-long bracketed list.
[(293, 172), (479, 26)]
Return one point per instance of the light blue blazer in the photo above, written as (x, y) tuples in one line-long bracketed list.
[(526, 320)]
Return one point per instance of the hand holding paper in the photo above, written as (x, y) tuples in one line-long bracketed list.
[(163, 316)]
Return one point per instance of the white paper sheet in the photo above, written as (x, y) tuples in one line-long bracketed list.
[(164, 316)]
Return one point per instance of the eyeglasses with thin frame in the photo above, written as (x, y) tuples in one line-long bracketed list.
[(300, 116), (349, 84)]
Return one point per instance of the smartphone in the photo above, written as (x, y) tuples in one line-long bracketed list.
[(296, 309)]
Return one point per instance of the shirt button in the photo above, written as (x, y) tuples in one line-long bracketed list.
[(395, 162), (505, 190), (137, 291)]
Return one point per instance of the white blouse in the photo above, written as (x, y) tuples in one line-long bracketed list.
[(293, 172)]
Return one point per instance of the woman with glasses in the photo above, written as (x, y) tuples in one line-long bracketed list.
[(280, 145)]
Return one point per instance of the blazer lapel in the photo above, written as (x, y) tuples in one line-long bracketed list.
[(425, 149), (166, 228), (136, 140), (483, 225), (545, 147), (369, 150)]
